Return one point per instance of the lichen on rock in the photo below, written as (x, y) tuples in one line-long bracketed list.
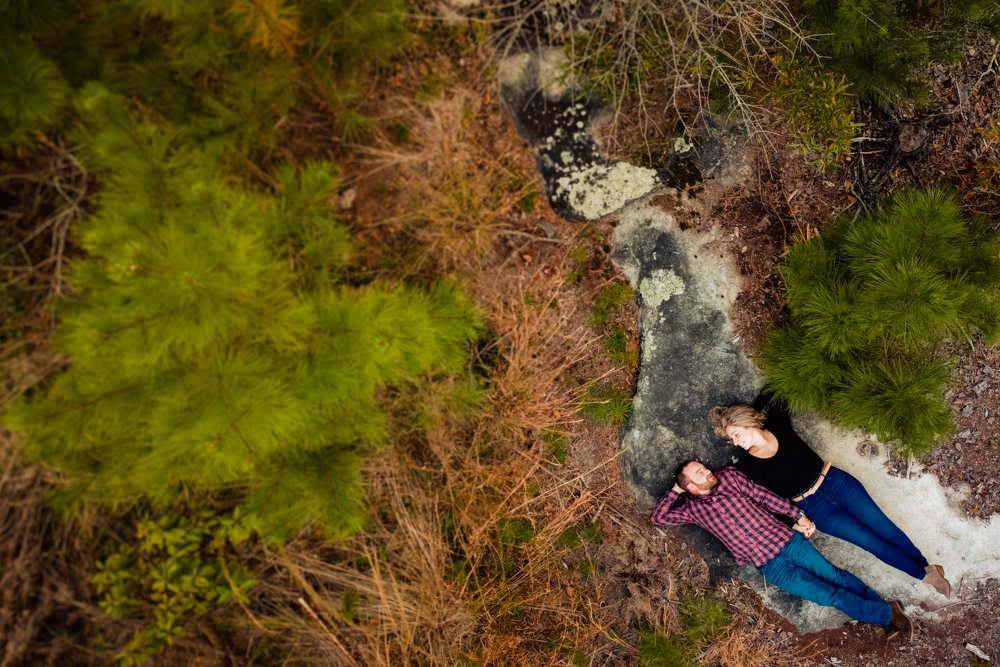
[(659, 286), (602, 189)]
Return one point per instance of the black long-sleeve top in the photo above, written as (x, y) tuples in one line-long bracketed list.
[(794, 467)]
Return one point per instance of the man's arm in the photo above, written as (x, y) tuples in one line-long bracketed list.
[(665, 514), (775, 504), (769, 500)]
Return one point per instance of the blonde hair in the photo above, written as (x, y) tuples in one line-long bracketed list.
[(737, 415)]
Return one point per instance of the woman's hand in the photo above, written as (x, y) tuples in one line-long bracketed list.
[(677, 488), (806, 526)]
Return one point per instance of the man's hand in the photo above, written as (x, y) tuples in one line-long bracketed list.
[(677, 488), (806, 526)]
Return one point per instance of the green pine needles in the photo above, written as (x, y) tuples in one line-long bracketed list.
[(215, 345), (32, 94), (871, 302), (883, 46)]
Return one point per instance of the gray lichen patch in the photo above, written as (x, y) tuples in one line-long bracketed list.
[(580, 182), (595, 191), (659, 286)]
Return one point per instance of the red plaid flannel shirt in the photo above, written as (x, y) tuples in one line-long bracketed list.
[(738, 512)]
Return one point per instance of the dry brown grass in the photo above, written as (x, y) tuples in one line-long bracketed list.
[(452, 193), (43, 581)]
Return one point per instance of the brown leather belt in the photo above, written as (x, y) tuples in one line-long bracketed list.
[(812, 489)]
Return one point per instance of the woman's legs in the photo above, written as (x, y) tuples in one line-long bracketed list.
[(842, 507)]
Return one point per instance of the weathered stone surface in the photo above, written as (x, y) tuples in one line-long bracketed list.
[(689, 363), (580, 182), (721, 153)]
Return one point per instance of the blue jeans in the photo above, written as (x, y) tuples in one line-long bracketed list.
[(841, 507), (801, 570)]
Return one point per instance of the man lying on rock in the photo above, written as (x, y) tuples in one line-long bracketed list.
[(741, 514)]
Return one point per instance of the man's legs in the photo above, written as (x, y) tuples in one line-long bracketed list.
[(801, 570)]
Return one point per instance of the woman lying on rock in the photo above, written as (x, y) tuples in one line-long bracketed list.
[(780, 461)]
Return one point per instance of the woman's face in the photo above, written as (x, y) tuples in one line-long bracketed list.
[(744, 437)]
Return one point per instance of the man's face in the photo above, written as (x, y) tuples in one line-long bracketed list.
[(703, 481)]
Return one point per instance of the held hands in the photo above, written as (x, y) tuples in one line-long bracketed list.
[(806, 526)]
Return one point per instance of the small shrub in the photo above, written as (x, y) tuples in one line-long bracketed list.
[(529, 201), (871, 302), (869, 43), (568, 539), (178, 568), (460, 572), (703, 617), (659, 650), (591, 532), (349, 606), (818, 106), (355, 126), (32, 95), (576, 535), (883, 46), (616, 345), (610, 407), (400, 132), (609, 300), (432, 87)]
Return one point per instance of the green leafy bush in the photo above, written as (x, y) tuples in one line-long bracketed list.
[(179, 569), (871, 302), (868, 42), (882, 46), (818, 106), (226, 73)]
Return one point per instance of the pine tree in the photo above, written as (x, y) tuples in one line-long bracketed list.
[(866, 41), (33, 94), (871, 302), (224, 71), (214, 344)]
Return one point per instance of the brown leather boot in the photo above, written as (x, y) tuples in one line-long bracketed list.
[(935, 577), (900, 624)]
